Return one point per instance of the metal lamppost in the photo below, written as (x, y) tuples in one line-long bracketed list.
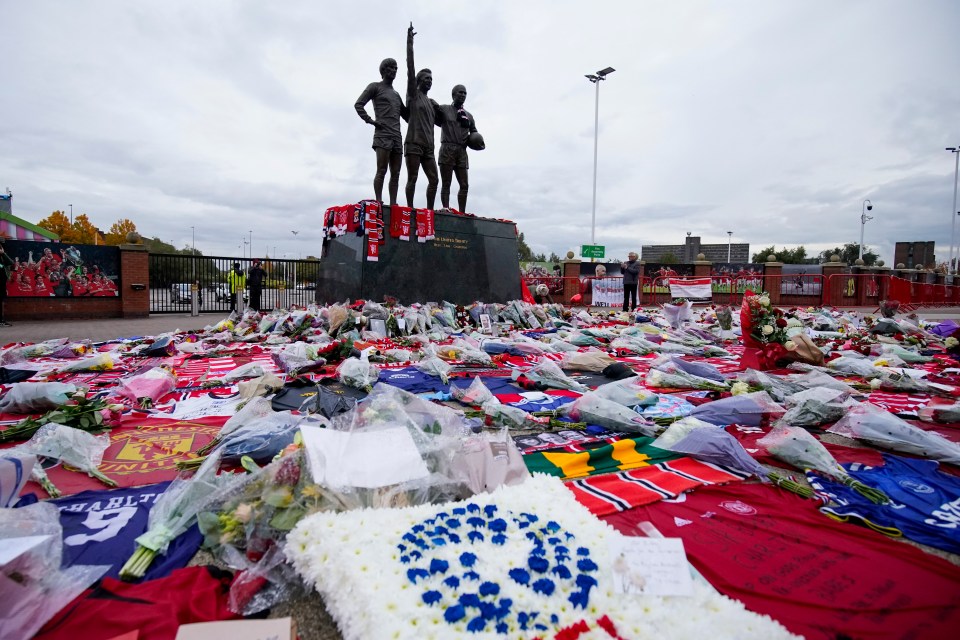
[(953, 227), (729, 245), (595, 78), (251, 243), (867, 206), (71, 215)]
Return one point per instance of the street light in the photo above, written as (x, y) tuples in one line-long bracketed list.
[(595, 78), (251, 243), (71, 215), (867, 206), (953, 227), (729, 245)]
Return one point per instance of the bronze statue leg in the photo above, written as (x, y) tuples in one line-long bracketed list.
[(430, 170), (395, 159), (413, 169), (446, 177), (383, 160), (464, 187)]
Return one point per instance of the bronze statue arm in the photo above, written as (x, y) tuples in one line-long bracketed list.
[(411, 70), (362, 101)]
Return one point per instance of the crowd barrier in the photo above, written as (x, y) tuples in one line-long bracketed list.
[(837, 290)]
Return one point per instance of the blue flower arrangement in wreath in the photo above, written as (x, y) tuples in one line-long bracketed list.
[(550, 564)]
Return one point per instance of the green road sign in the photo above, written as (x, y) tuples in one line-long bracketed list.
[(592, 251)]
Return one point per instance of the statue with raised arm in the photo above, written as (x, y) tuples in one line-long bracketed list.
[(387, 141), (456, 126), (423, 114)]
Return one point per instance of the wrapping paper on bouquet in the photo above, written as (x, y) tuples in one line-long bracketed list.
[(764, 356), (677, 314), (147, 388)]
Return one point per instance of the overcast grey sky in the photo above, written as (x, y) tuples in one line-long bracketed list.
[(773, 120)]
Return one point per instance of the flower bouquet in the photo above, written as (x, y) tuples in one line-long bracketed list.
[(671, 376), (590, 360), (629, 392), (31, 397), (173, 513), (779, 387), (678, 430), (505, 416), (889, 308), (765, 338), (147, 388), (872, 424), (716, 446), (99, 362), (593, 409), (800, 449), (748, 409), (74, 447), (672, 364), (944, 414), (358, 372), (474, 395), (813, 408), (299, 357), (81, 413), (678, 312), (549, 373), (435, 366)]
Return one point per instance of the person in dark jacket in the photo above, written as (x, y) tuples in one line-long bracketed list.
[(255, 277), (631, 276)]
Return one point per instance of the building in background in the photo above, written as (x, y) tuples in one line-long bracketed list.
[(687, 252), (18, 229), (915, 255)]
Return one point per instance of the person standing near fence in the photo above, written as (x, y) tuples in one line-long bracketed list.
[(255, 277), (238, 282), (631, 276)]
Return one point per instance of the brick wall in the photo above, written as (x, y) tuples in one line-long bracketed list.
[(134, 269)]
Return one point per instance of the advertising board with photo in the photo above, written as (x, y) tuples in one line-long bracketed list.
[(657, 274), (740, 276), (47, 269), (801, 279), (603, 281)]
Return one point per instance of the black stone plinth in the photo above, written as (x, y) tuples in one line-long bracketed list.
[(469, 259)]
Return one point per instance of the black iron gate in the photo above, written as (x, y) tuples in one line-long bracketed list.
[(287, 283)]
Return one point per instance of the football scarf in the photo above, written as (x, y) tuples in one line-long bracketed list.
[(613, 492), (629, 453), (400, 222), (425, 225)]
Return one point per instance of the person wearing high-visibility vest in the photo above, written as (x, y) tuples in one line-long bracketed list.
[(237, 280)]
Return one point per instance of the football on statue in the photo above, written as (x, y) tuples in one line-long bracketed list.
[(475, 141)]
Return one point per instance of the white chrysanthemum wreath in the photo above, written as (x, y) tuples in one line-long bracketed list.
[(526, 561)]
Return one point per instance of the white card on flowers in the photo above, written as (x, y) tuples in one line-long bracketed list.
[(525, 561), (650, 566), (366, 459)]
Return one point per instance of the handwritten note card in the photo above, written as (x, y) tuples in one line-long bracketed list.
[(650, 566)]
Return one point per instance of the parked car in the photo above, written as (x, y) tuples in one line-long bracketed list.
[(221, 292), (180, 293)]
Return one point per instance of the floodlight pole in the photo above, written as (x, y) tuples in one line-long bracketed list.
[(866, 206), (953, 210), (595, 78)]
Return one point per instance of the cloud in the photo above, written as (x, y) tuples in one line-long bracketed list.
[(774, 121)]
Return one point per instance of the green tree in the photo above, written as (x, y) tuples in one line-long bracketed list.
[(849, 253), (669, 258), (523, 250), (797, 255), (554, 258), (156, 245)]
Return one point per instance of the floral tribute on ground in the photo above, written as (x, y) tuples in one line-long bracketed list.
[(526, 561)]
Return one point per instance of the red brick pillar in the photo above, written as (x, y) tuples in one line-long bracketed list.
[(832, 290), (883, 283), (702, 268), (135, 280), (571, 279), (772, 277)]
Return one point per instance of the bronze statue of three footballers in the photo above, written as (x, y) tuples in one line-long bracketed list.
[(458, 131)]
